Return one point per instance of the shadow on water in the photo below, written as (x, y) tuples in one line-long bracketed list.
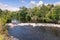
[(32, 33)]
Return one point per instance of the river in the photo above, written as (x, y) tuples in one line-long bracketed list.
[(30, 33)]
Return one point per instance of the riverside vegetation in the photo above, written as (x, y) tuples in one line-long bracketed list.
[(41, 14)]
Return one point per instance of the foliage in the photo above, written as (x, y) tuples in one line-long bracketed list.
[(44, 14), (41, 14)]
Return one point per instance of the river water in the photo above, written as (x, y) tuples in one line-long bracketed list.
[(29, 33)]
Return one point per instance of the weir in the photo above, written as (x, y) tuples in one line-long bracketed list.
[(33, 24)]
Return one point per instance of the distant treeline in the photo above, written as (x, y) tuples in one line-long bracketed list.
[(40, 14)]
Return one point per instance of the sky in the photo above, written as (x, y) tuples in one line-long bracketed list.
[(13, 5)]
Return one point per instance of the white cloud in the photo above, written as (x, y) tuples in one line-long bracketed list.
[(7, 7), (33, 3), (40, 3)]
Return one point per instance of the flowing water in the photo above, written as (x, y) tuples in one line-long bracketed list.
[(30, 33)]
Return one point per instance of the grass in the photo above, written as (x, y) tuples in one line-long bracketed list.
[(1, 37)]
